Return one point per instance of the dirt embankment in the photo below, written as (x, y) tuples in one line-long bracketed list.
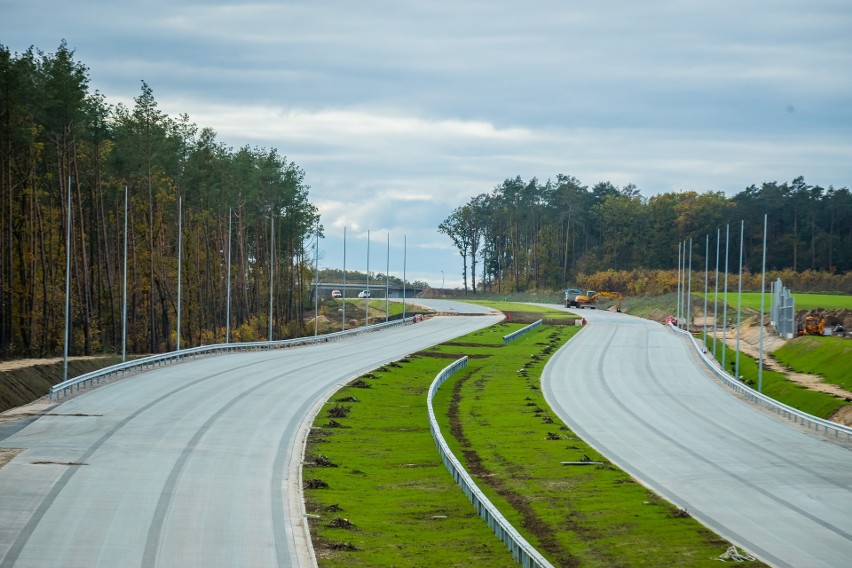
[(25, 380), (832, 318)]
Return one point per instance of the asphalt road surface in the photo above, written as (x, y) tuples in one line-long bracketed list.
[(632, 389), (196, 464)]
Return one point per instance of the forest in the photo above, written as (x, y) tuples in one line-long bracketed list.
[(185, 191), (528, 235), (191, 203)]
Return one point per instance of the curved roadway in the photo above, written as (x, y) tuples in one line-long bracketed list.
[(195, 464), (632, 389)]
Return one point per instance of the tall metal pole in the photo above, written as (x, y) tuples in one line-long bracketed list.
[(343, 322), (316, 283), (124, 288), (67, 283), (739, 301), (367, 299), (677, 304), (725, 302), (404, 262), (271, 268), (228, 303), (387, 283), (682, 318), (762, 288), (180, 251), (689, 289), (706, 282), (716, 292)]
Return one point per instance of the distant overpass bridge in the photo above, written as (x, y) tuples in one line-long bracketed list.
[(377, 289)]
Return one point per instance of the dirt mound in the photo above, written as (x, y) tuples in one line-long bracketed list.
[(833, 318), (24, 381)]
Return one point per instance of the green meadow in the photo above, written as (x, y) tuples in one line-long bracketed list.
[(379, 495), (803, 301), (829, 357)]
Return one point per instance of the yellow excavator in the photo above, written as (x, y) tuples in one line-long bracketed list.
[(812, 325), (576, 299), (614, 295)]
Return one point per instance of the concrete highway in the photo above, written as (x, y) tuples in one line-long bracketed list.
[(196, 464), (632, 389)]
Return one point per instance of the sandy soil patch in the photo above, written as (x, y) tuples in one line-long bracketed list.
[(21, 363), (8, 454)]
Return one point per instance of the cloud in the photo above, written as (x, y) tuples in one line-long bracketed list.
[(399, 112)]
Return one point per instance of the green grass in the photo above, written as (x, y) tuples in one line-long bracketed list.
[(391, 308), (527, 313), (803, 301), (389, 482), (407, 511), (355, 308), (575, 515), (504, 306), (830, 357), (777, 386), (650, 307)]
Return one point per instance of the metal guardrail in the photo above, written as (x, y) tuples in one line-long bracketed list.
[(522, 551), (516, 334), (761, 399), (173, 357)]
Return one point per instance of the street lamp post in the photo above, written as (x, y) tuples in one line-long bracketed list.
[(442, 283)]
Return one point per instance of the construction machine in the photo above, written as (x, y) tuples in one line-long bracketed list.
[(575, 298), (614, 295), (812, 325), (571, 295)]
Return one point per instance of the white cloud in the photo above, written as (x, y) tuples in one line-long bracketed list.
[(399, 112)]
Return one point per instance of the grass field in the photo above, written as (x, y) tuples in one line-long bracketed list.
[(390, 501), (527, 313), (384, 477), (803, 301), (504, 306), (830, 357)]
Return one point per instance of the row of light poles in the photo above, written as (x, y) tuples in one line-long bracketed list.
[(683, 310), (228, 301), (366, 300)]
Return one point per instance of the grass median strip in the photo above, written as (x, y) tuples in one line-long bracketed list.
[(380, 496)]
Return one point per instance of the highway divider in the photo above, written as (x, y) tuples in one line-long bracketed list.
[(524, 330), (522, 551), (163, 359), (761, 399)]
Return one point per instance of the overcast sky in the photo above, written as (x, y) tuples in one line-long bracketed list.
[(401, 111)]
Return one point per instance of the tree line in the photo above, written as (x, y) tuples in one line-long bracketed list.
[(528, 235), (355, 276), (250, 204)]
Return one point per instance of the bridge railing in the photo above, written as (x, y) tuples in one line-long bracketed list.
[(761, 399), (163, 359), (522, 551), (523, 331)]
